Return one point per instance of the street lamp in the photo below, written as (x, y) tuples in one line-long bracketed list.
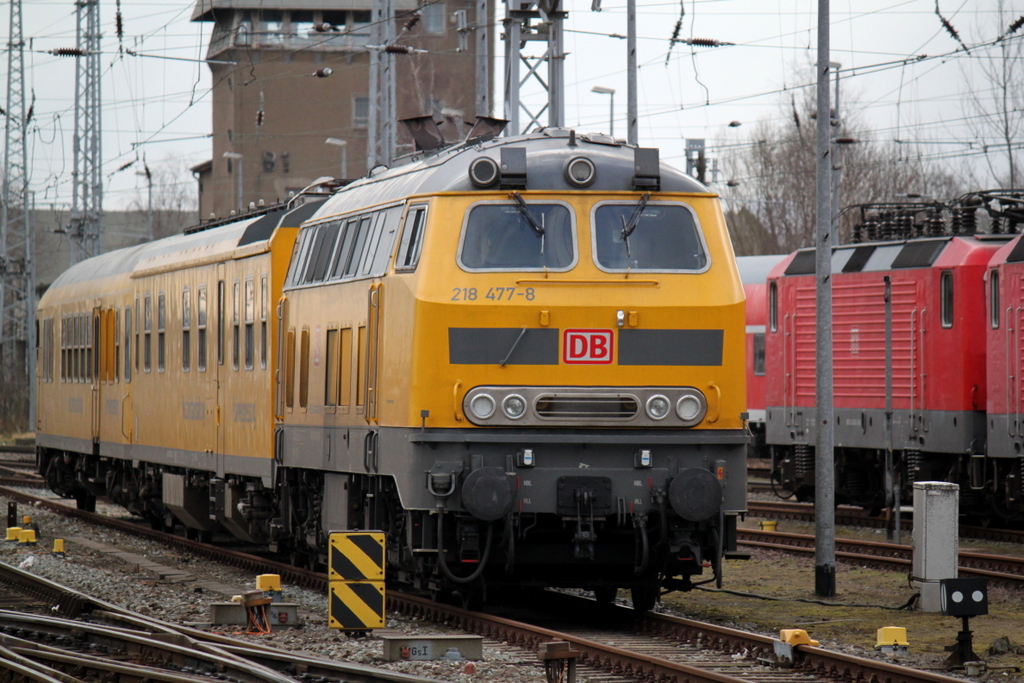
[(338, 142), (238, 176), (601, 90)]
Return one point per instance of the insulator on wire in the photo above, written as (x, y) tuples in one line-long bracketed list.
[(322, 27), (259, 117), (68, 52), (704, 42), (415, 19), (396, 49), (1015, 26), (323, 72), (119, 25)]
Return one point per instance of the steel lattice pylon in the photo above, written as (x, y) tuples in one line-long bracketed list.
[(86, 226), (17, 296), (529, 21)]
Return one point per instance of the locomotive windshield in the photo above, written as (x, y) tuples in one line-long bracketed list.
[(518, 236), (661, 237)]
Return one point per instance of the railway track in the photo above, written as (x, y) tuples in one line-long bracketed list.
[(855, 516), (997, 568), (656, 647), (82, 637)]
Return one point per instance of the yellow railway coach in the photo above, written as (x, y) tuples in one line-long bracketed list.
[(155, 372), (521, 357)]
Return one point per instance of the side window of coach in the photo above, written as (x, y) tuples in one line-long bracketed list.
[(773, 307), (412, 238)]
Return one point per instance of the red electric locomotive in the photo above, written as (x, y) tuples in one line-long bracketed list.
[(908, 341), (1000, 473)]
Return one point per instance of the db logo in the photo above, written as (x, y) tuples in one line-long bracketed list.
[(593, 347)]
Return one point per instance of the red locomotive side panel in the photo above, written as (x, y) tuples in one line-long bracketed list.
[(936, 328), (1004, 315)]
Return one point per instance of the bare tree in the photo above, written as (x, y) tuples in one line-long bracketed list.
[(771, 180), (995, 101), (174, 204)]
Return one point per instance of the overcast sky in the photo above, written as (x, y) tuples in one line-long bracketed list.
[(901, 71)]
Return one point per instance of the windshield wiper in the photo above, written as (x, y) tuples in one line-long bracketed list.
[(629, 226), (525, 211)]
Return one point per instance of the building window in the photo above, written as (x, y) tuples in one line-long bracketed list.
[(201, 325), (147, 328), (946, 292), (433, 18), (161, 324), (186, 330), (360, 111)]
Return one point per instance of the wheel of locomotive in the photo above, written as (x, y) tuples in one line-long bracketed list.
[(605, 595), (85, 501), (645, 595)]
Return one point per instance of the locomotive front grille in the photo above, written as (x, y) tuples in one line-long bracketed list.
[(586, 407)]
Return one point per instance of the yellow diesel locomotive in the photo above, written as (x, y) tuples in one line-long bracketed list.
[(521, 357)]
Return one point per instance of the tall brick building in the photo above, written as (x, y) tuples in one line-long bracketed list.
[(273, 116)]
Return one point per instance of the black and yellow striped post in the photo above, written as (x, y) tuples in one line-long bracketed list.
[(356, 574)]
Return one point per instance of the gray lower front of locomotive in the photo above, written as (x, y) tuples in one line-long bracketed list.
[(492, 473)]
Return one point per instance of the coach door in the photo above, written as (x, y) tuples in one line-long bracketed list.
[(106, 398), (221, 374), (94, 365)]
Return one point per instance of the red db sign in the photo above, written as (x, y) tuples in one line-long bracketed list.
[(589, 347)]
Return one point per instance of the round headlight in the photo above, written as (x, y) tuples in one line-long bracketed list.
[(580, 171), (482, 406), (483, 171), (691, 408), (658, 407), (513, 406)]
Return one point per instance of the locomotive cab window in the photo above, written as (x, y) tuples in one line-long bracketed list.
[(412, 238), (647, 236), (518, 236), (993, 281), (946, 294)]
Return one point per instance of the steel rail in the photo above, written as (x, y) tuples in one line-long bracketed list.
[(259, 659), (517, 633), (888, 555), (856, 516)]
